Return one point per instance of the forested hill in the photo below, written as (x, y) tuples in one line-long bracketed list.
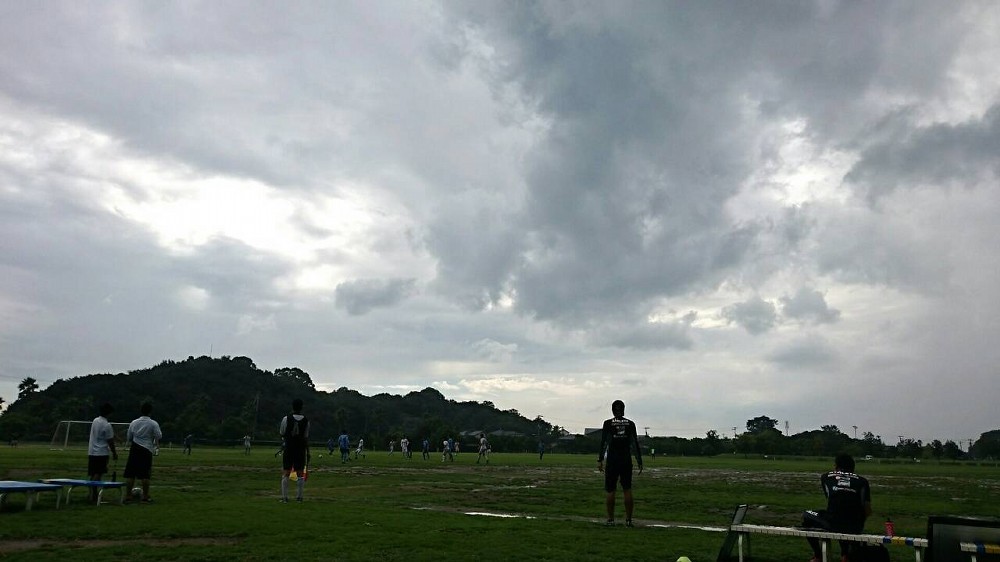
[(222, 399)]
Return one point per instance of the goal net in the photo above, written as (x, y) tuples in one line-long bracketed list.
[(75, 434)]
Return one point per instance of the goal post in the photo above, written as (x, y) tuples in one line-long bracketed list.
[(75, 434)]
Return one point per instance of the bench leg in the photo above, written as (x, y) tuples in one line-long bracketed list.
[(29, 497), (826, 548), (739, 542)]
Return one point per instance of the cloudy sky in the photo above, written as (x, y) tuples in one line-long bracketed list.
[(711, 210)]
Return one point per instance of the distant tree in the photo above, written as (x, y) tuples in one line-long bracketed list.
[(712, 445), (871, 444), (1, 402), (194, 418), (27, 387), (909, 448), (987, 446), (830, 429), (248, 416), (340, 419), (296, 374), (937, 448), (74, 408), (761, 424), (951, 450)]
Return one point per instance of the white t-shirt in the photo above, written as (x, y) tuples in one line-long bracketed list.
[(100, 432), (144, 432)]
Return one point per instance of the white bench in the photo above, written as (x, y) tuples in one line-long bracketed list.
[(30, 489), (99, 485), (826, 538), (976, 548)]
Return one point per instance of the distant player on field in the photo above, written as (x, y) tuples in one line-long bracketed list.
[(360, 450), (294, 430), (246, 444), (344, 441), (484, 449), (618, 436), (426, 448), (404, 446)]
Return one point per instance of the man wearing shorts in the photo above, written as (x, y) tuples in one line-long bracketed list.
[(294, 429), (143, 437), (618, 436), (484, 448), (345, 446), (101, 445)]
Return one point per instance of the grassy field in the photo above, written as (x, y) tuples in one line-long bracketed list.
[(218, 504)]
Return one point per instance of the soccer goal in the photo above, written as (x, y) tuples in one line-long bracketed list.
[(75, 434)]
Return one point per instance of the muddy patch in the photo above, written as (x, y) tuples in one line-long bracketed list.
[(7, 547)]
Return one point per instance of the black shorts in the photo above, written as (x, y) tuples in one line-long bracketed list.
[(617, 471), (293, 458), (140, 462), (97, 465)]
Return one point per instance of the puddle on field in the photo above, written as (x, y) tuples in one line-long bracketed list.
[(503, 515), (695, 527)]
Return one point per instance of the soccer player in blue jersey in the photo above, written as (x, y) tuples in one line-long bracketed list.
[(345, 446), (618, 436)]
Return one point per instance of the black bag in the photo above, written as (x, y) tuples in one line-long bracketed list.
[(869, 553)]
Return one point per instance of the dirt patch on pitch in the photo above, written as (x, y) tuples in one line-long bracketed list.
[(7, 547)]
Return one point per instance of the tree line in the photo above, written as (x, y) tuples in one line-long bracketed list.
[(219, 400)]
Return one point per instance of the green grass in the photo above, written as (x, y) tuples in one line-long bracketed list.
[(218, 504)]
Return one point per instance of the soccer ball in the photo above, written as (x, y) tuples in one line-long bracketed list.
[(137, 493), (683, 559)]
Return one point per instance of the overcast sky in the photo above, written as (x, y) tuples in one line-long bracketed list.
[(711, 210)]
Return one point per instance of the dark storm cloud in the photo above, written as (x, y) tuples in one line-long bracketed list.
[(906, 155), (362, 295), (808, 304), (756, 315)]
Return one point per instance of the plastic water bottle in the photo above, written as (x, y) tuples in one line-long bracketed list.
[(890, 529)]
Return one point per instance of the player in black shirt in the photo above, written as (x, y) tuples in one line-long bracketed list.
[(848, 504), (294, 430), (617, 438)]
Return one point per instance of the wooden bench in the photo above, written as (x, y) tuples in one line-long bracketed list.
[(826, 538), (69, 483), (30, 490), (976, 548)]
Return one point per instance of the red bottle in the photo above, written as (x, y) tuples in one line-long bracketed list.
[(890, 529)]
